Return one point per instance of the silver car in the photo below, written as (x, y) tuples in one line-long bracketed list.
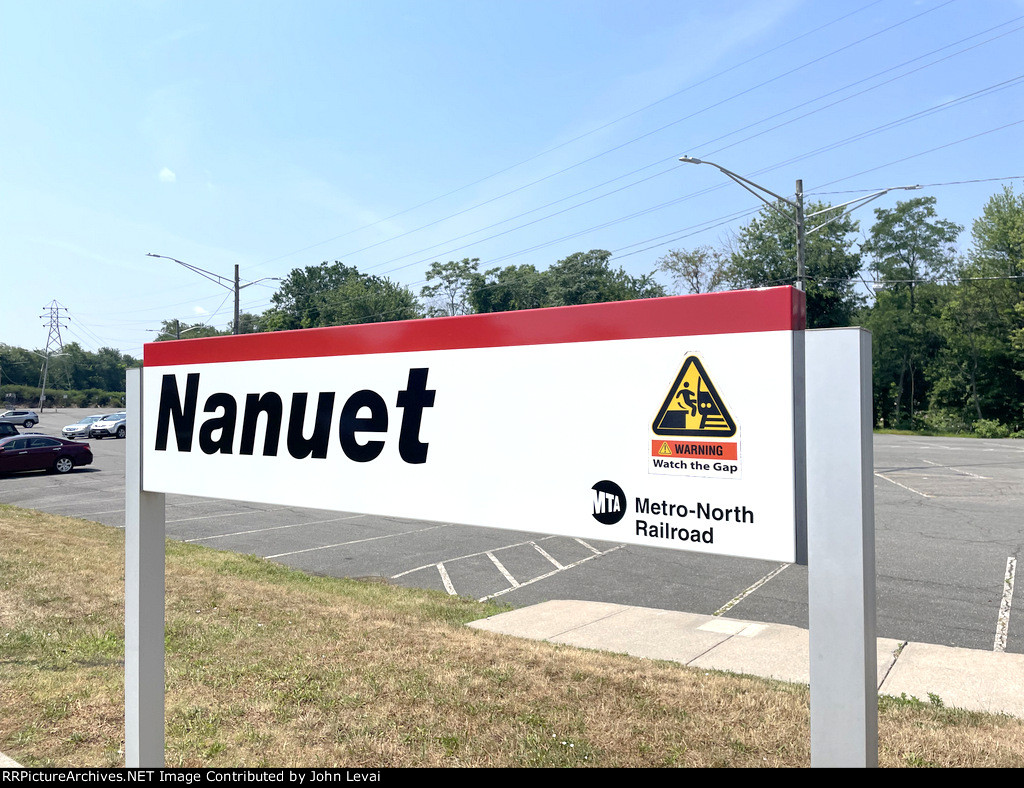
[(26, 418), (80, 429), (112, 426)]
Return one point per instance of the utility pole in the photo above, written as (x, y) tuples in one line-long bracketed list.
[(53, 340), (237, 293), (798, 219), (223, 281), (801, 254)]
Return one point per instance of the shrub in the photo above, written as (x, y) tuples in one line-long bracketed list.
[(990, 428), (942, 420)]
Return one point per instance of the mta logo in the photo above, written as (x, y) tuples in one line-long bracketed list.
[(609, 502)]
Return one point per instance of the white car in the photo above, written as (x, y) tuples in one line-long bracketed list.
[(80, 429), (112, 426)]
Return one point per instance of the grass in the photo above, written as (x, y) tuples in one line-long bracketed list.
[(267, 666)]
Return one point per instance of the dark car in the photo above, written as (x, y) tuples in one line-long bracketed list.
[(42, 453), (6, 430)]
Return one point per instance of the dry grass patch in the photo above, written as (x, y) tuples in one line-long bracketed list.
[(267, 666)]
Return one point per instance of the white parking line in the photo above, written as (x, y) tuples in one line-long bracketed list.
[(918, 492), (958, 470), (357, 541), (540, 550), (739, 598), (446, 580), (216, 516), (468, 555), (70, 496), (590, 547), (273, 528), (551, 573), (1003, 622), (503, 570)]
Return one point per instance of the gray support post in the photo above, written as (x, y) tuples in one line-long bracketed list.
[(841, 549), (143, 600)]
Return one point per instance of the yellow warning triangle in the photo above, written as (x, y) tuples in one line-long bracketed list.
[(664, 448), (693, 406)]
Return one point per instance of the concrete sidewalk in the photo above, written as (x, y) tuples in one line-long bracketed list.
[(987, 681)]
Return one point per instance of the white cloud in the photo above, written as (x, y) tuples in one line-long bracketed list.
[(200, 311), (167, 175)]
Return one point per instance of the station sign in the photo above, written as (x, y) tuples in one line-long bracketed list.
[(670, 422)]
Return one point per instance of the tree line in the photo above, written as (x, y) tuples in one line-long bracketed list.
[(947, 323), (74, 378)]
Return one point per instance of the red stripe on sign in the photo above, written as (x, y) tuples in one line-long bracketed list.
[(740, 311), (696, 449)]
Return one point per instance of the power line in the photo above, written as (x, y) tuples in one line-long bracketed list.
[(589, 159), (878, 129), (933, 185)]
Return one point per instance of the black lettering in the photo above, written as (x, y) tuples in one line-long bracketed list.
[(351, 423), (226, 425), (298, 445), (413, 400), (171, 407), (270, 404)]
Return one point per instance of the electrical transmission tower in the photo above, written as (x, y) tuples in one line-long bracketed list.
[(56, 315)]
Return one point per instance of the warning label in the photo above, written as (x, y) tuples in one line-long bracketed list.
[(719, 451), (693, 408)]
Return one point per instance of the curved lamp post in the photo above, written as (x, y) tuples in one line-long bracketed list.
[(798, 218), (223, 281)]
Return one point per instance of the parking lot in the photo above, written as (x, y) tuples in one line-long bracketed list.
[(949, 515)]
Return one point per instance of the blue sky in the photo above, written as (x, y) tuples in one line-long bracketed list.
[(392, 133)]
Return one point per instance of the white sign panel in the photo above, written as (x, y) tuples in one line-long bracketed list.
[(666, 423)]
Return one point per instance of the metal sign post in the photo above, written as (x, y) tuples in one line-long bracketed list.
[(841, 549), (143, 600)]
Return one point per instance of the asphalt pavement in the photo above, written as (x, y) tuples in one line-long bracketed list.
[(948, 517)]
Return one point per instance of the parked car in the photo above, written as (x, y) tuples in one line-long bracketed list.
[(80, 429), (42, 453), (27, 418), (110, 426), (8, 429)]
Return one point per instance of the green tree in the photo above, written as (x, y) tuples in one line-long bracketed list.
[(248, 323), (366, 299), (301, 295), (908, 245), (910, 249), (335, 294), (984, 318), (507, 289), (178, 329), (448, 296), (764, 255), (19, 367), (699, 270), (588, 278)]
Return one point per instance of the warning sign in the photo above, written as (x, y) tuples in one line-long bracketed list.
[(712, 449), (693, 407)]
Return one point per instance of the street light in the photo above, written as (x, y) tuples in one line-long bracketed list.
[(177, 329), (798, 219), (223, 281)]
